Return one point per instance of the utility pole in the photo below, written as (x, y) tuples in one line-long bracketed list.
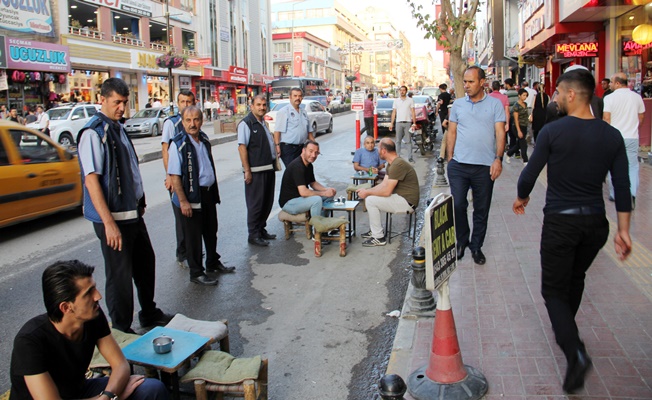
[(170, 81)]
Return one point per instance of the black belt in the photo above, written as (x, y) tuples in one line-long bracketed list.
[(290, 144), (403, 122), (414, 207), (582, 210)]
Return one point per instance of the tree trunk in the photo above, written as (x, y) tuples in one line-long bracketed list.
[(458, 66)]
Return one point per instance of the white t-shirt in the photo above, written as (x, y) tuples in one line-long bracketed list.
[(531, 96), (207, 105), (43, 120), (624, 106), (403, 109)]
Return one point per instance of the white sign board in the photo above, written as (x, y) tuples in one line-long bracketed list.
[(357, 101)]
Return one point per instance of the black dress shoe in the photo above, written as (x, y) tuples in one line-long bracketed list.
[(220, 268), (578, 366), (158, 318), (203, 280), (267, 236), (258, 242), (478, 257), (460, 251)]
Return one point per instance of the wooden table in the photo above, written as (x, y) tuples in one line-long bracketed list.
[(349, 206), (186, 345)]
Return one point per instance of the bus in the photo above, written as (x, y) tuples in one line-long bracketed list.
[(313, 89)]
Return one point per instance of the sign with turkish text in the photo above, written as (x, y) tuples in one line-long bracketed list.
[(27, 16), (573, 50), (285, 56), (138, 7), (225, 36), (440, 243), (36, 56), (3, 53), (631, 48), (357, 101), (237, 70), (236, 78), (297, 61)]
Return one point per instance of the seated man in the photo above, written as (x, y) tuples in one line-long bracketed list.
[(52, 351), (368, 157), (300, 191), (398, 192)]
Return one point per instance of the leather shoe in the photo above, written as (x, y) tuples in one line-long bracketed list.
[(220, 268), (159, 318), (203, 280), (578, 366), (258, 242), (478, 257), (460, 251), (267, 236)]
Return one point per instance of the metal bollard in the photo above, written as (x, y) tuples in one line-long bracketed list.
[(440, 181), (392, 387), (421, 301)]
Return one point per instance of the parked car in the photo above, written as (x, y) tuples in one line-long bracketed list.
[(335, 104), (37, 176), (66, 121), (320, 119), (431, 91), (384, 111), (147, 122)]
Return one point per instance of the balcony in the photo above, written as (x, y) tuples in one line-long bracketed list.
[(86, 32), (189, 53), (159, 47), (127, 40)]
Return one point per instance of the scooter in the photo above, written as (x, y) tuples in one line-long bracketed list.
[(424, 137)]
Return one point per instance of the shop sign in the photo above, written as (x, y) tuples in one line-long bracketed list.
[(533, 26), (3, 53), (285, 56), (631, 48), (147, 61), (236, 78), (137, 7), (572, 50), (225, 36), (237, 70), (185, 82), (37, 56), (27, 16)]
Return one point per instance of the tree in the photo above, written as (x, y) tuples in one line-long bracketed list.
[(449, 29)]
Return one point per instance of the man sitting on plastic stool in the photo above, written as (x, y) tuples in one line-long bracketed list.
[(398, 192)]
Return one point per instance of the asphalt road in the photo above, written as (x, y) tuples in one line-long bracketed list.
[(320, 321)]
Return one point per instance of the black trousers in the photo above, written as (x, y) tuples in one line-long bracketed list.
[(512, 135), (520, 144), (202, 225), (136, 262), (259, 197), (178, 228), (289, 152), (569, 244), (368, 126)]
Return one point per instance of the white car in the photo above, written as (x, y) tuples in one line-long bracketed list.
[(320, 119), (67, 121)]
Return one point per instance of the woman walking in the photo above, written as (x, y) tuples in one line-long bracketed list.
[(520, 117)]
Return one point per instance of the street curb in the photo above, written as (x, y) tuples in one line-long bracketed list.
[(157, 155)]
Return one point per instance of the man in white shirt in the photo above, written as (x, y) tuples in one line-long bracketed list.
[(624, 110), (207, 109), (402, 114), (43, 120)]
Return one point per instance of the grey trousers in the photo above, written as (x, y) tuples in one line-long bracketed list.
[(403, 128)]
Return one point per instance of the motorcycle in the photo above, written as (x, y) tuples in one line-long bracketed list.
[(424, 137)]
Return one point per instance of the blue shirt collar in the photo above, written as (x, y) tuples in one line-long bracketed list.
[(467, 98)]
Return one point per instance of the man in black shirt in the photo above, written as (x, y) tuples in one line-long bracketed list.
[(52, 351), (443, 100), (579, 150), (300, 191)]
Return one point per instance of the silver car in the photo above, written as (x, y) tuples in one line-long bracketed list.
[(320, 119), (146, 122)]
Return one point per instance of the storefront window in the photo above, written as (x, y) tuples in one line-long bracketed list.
[(636, 59), (157, 88), (125, 25), (85, 85), (188, 39)]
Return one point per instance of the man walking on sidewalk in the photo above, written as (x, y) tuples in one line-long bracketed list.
[(402, 114), (368, 115), (476, 142), (574, 225)]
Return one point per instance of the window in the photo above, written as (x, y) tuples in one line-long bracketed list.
[(188, 40), (4, 159), (91, 111), (125, 25), (282, 47), (188, 5), (214, 38), (33, 150), (78, 113)]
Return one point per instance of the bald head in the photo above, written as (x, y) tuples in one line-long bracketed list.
[(619, 78)]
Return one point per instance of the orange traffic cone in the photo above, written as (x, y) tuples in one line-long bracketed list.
[(445, 376)]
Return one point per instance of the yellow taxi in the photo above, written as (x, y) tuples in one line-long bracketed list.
[(37, 176)]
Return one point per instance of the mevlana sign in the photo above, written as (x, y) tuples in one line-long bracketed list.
[(583, 49), (37, 56)]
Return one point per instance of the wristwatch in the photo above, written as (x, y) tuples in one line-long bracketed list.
[(110, 395), (499, 158)]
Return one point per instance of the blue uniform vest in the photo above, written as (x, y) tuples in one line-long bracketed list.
[(190, 173)]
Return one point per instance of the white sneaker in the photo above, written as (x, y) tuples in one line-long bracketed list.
[(525, 164), (507, 159)]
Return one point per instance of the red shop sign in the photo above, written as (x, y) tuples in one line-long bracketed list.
[(581, 49)]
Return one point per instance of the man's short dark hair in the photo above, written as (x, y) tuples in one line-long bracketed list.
[(495, 85), (620, 80), (521, 91), (192, 109), (296, 89), (403, 86), (606, 80), (535, 85), (388, 144), (481, 74), (581, 81), (443, 86), (370, 96), (187, 93), (509, 81), (259, 97), (309, 142), (60, 285), (114, 85)]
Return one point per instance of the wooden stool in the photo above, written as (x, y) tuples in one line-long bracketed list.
[(226, 375), (324, 225), (289, 220), (216, 331), (351, 189)]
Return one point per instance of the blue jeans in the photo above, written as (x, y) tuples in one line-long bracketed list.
[(631, 147), (150, 389), (300, 205), (476, 177)]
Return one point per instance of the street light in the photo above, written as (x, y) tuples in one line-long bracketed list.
[(170, 82), (294, 3)]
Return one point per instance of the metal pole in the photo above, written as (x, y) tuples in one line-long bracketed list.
[(170, 82)]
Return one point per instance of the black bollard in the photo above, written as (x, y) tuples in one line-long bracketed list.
[(440, 181), (392, 387), (421, 301)]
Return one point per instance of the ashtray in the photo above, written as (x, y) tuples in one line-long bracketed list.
[(162, 344)]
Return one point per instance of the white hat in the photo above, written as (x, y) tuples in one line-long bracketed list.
[(574, 67)]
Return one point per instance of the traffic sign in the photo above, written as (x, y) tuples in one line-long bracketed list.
[(357, 101)]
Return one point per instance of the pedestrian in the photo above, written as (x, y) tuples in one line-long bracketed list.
[(149, 103), (496, 93), (553, 112), (13, 116), (539, 111), (368, 115), (624, 110), (258, 157), (292, 128), (578, 151), (231, 105), (52, 351), (521, 117), (606, 87), (215, 110), (476, 142), (196, 194), (402, 114), (172, 126), (43, 120), (207, 109), (3, 112), (512, 96), (443, 100), (31, 117), (114, 201)]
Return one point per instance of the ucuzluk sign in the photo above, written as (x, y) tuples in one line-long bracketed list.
[(28, 16), (37, 56), (441, 250)]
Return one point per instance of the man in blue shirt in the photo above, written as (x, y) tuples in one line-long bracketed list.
[(475, 143), (367, 157), (292, 128)]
